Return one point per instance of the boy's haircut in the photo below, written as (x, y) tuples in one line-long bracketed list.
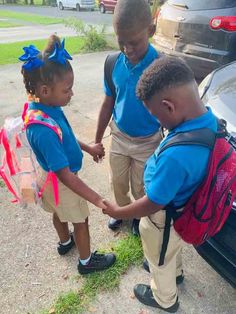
[(162, 74), (132, 14), (49, 71)]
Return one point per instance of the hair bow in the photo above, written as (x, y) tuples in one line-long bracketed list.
[(30, 58), (60, 55)]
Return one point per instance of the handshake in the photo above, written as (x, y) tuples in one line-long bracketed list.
[(109, 208)]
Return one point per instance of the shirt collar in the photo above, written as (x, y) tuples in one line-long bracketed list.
[(52, 111), (199, 122), (150, 55)]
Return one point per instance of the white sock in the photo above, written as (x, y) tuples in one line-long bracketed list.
[(67, 242), (85, 261)]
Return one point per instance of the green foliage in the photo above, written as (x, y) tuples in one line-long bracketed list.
[(68, 304), (94, 36), (11, 51), (2, 184), (32, 18), (4, 24), (128, 252)]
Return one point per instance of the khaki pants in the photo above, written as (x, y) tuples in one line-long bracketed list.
[(163, 282), (127, 159), (71, 208)]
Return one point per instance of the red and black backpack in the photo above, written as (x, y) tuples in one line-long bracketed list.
[(208, 208)]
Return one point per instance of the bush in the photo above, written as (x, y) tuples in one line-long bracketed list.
[(95, 39)]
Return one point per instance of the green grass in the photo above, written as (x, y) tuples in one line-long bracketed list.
[(2, 184), (128, 252), (32, 18), (8, 24), (11, 51)]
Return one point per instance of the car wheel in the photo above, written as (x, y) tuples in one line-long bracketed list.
[(60, 6), (77, 7), (102, 9)]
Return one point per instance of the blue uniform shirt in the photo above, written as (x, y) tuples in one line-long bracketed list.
[(178, 171), (129, 113), (51, 153)]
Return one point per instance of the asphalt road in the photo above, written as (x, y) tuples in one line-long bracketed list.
[(94, 17)]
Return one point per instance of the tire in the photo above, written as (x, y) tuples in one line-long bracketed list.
[(102, 9), (77, 7), (60, 6)]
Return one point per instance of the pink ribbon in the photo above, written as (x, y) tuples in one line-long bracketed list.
[(51, 177)]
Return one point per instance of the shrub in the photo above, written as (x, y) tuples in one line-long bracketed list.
[(95, 39)]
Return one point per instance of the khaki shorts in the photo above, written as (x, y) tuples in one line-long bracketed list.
[(71, 208)]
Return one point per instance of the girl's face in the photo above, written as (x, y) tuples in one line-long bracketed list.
[(60, 92)]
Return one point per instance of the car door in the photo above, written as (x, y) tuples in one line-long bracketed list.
[(184, 26), (110, 4)]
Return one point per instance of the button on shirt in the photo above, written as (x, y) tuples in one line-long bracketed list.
[(51, 153), (129, 113), (176, 173)]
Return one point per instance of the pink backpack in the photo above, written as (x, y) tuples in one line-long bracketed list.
[(208, 208), (19, 167)]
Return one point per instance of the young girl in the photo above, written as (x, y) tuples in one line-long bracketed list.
[(48, 79)]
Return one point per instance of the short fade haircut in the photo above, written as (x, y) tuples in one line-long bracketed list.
[(162, 74), (132, 14)]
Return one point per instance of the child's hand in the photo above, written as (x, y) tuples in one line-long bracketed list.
[(101, 204), (111, 209), (97, 151)]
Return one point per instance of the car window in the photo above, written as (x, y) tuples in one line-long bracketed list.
[(203, 4)]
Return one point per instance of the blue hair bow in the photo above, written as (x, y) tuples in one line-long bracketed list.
[(30, 58), (60, 55)]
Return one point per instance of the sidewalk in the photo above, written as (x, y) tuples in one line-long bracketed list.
[(33, 32), (32, 274)]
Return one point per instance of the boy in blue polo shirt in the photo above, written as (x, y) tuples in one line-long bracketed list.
[(134, 130), (170, 93)]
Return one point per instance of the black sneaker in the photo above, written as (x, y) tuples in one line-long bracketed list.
[(135, 227), (114, 224), (144, 294), (97, 262), (63, 249), (179, 279)]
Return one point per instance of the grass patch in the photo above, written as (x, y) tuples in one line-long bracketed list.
[(32, 18), (4, 24), (128, 252), (11, 51), (2, 184)]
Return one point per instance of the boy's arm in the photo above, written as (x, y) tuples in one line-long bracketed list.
[(71, 180), (140, 208), (104, 117)]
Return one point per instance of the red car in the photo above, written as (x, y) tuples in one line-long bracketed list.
[(107, 5)]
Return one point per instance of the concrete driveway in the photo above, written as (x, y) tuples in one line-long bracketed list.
[(32, 274)]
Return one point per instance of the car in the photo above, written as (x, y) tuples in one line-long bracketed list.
[(218, 90), (107, 5), (76, 4), (202, 32)]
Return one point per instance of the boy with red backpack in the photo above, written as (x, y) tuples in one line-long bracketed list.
[(189, 180)]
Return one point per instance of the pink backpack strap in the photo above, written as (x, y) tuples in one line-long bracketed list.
[(34, 116)]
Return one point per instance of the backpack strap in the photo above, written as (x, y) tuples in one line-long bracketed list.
[(108, 69), (34, 116), (203, 137)]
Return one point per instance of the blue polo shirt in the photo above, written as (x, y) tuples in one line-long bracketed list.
[(178, 171), (51, 153), (129, 113)]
